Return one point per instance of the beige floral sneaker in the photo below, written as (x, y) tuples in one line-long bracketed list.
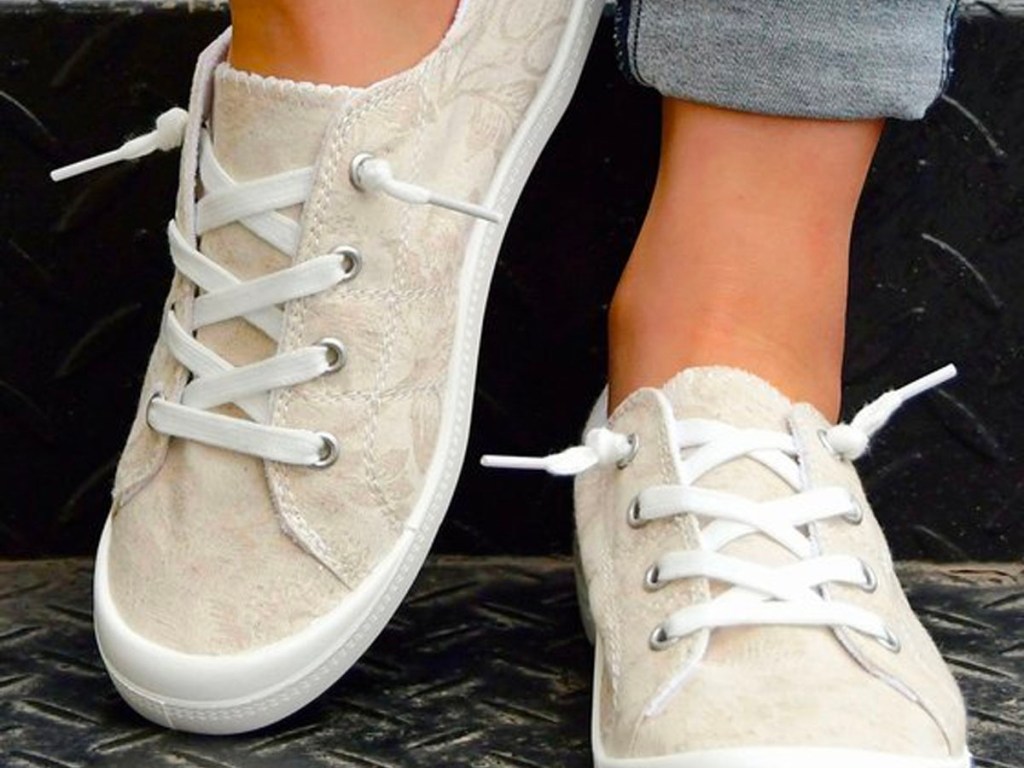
[(304, 417), (744, 606)]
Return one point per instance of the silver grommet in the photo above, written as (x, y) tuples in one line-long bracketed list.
[(329, 450), (660, 640), (870, 579), (889, 641), (156, 394), (336, 354), (351, 261), (856, 515), (634, 446), (355, 170), (652, 582), (823, 439), (633, 514)]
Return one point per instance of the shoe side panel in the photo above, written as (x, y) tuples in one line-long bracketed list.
[(918, 665)]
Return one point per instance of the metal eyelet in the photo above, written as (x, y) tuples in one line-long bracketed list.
[(652, 582), (156, 394), (870, 579), (634, 447), (336, 354), (660, 640), (329, 450), (889, 641), (823, 439), (355, 170), (856, 515), (351, 261), (633, 514)]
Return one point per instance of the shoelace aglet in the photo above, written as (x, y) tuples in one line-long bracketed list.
[(513, 462), (85, 166), (168, 134), (923, 384), (571, 461)]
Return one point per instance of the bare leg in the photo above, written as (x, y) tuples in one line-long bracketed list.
[(336, 42), (743, 257)]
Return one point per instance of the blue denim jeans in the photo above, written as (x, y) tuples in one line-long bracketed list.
[(841, 59)]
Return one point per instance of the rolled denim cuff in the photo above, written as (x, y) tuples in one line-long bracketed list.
[(803, 58)]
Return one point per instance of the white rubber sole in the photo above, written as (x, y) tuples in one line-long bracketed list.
[(235, 693), (746, 757)]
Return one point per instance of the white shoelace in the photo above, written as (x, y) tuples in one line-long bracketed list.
[(758, 595), (223, 296)]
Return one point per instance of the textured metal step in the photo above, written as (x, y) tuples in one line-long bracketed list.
[(485, 665)]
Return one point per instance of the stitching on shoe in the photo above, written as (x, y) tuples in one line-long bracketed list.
[(634, 403), (398, 281), (282, 495), (613, 644), (366, 395), (336, 142), (409, 294)]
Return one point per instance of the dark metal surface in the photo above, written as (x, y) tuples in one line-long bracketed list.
[(485, 665), (84, 267)]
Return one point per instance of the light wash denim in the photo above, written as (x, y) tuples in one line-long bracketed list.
[(806, 58)]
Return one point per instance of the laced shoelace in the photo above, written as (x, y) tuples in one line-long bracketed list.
[(788, 595), (222, 296)]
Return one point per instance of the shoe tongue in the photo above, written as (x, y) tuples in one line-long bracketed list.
[(742, 400), (261, 126), (729, 395)]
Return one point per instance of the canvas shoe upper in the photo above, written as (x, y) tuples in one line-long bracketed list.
[(742, 597), (304, 415)]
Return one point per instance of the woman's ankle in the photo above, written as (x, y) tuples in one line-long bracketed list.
[(649, 346), (743, 257)]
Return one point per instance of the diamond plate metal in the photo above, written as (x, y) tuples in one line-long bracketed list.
[(485, 665)]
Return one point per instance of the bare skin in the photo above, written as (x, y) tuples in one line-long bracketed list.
[(743, 256), (336, 42)]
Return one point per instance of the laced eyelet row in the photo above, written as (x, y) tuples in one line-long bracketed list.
[(227, 293), (660, 640), (337, 354)]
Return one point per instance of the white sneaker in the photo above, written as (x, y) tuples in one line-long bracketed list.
[(304, 417), (744, 606)]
